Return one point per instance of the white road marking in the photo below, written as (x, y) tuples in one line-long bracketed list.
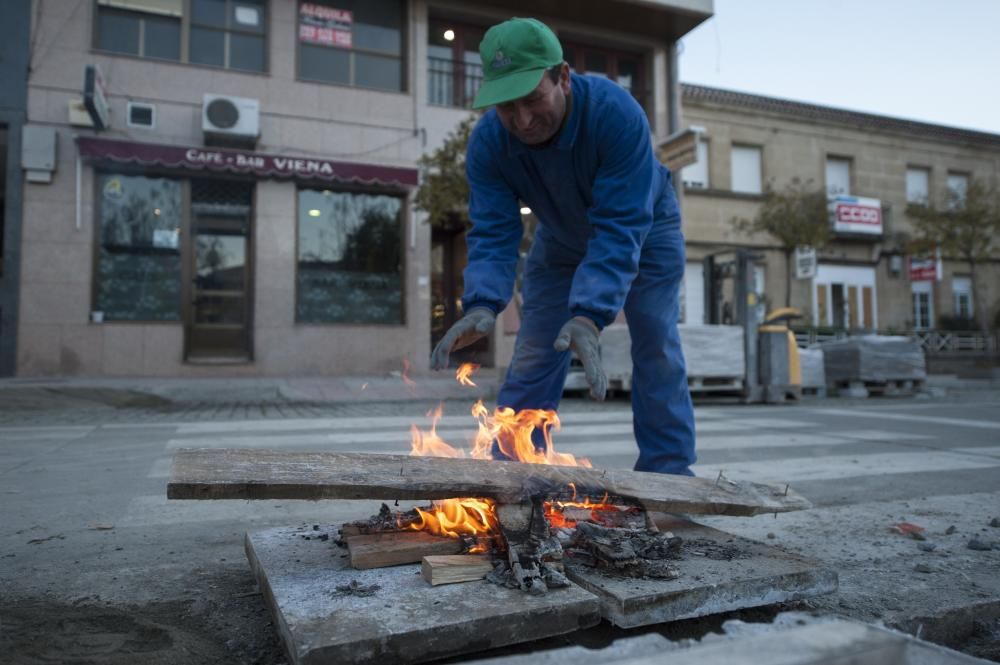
[(830, 467), (885, 415)]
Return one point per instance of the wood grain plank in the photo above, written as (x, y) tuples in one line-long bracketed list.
[(394, 548), (269, 474), (452, 568)]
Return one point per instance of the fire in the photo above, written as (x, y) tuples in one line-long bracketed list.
[(429, 444), (512, 432), (465, 371), (406, 373), (457, 517)]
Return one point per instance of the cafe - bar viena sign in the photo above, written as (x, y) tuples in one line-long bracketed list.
[(226, 160)]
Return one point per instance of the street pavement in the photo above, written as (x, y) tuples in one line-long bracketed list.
[(87, 530)]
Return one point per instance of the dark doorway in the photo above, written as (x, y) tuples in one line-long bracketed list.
[(837, 306), (220, 317), (448, 260), (3, 190)]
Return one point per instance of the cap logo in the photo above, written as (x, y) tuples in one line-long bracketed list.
[(499, 60)]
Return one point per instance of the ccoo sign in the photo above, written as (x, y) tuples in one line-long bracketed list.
[(852, 214)]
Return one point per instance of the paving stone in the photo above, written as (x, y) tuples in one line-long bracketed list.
[(327, 612)]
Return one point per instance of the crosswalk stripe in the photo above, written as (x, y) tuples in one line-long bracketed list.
[(830, 467), (886, 415)]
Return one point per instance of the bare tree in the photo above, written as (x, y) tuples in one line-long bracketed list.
[(967, 227), (796, 216)]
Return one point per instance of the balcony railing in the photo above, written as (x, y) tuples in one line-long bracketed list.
[(453, 82), (933, 342)]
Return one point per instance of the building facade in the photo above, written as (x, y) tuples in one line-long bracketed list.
[(225, 187), (871, 167)]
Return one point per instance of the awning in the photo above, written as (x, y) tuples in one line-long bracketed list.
[(223, 160)]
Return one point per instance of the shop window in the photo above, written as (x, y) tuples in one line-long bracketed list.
[(138, 260), (838, 176), (349, 258), (918, 185), (353, 42), (221, 33), (622, 67), (147, 28), (746, 169), (454, 68)]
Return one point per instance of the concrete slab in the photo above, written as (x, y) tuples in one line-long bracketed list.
[(793, 639), (404, 619), (719, 573)]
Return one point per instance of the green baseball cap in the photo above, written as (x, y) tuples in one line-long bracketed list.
[(515, 55)]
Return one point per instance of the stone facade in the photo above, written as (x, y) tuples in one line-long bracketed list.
[(60, 330), (795, 141)]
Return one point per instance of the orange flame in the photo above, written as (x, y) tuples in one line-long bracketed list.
[(429, 444), (512, 431), (406, 373), (465, 371), (457, 517)]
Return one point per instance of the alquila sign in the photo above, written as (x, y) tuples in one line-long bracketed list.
[(224, 160)]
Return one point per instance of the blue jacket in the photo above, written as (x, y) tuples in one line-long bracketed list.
[(597, 189)]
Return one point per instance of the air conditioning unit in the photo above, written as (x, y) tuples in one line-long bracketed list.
[(230, 120)]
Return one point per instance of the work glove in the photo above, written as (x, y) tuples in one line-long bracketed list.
[(477, 323), (580, 334)]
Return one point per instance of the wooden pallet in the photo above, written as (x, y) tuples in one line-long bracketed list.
[(888, 388), (715, 384)]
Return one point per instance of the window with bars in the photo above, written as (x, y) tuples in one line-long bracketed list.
[(353, 42), (622, 67), (231, 34), (454, 69)]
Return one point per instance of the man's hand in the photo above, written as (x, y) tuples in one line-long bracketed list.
[(580, 334), (477, 323)]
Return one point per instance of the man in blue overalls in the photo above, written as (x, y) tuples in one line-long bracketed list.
[(577, 150)]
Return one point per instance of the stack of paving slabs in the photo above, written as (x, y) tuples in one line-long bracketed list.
[(874, 358), (552, 550)]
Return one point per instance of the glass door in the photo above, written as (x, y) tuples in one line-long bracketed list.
[(219, 319)]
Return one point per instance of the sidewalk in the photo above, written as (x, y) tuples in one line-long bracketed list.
[(146, 392)]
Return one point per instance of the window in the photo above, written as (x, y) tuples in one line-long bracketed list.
[(918, 185), (695, 175), (622, 67), (147, 28), (958, 186), (454, 69), (353, 42), (961, 294), (138, 273), (923, 308), (838, 176), (221, 33), (228, 33), (746, 169), (349, 258)]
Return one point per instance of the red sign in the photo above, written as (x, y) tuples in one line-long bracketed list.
[(923, 270), (853, 214), (323, 25)]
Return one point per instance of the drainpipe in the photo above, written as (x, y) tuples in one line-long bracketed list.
[(674, 104)]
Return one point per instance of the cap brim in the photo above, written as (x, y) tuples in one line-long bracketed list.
[(508, 88)]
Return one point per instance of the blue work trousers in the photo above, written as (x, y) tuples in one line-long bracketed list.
[(663, 418)]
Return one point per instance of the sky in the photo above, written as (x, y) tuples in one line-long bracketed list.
[(935, 61)]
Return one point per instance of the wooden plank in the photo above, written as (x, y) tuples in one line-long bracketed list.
[(452, 568), (271, 474), (379, 550)]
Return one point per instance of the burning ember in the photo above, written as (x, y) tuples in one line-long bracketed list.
[(464, 372)]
